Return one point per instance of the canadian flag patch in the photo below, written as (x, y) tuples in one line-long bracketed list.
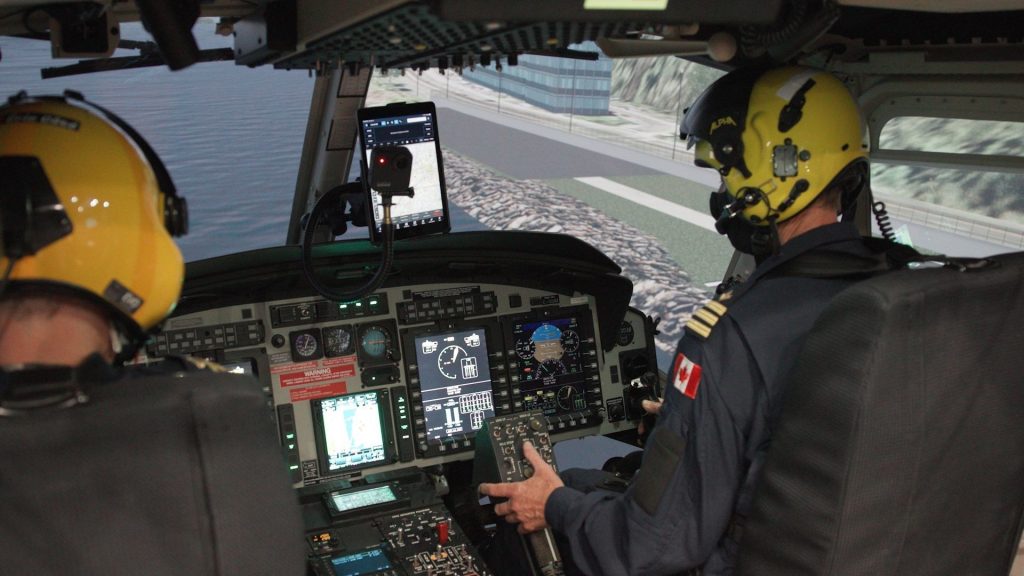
[(686, 376)]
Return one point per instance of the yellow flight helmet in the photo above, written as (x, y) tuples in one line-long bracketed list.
[(87, 206), (779, 138)]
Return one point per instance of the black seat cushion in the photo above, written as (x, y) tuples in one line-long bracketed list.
[(900, 446), (155, 475)]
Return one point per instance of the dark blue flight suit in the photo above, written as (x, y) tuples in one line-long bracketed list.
[(685, 507)]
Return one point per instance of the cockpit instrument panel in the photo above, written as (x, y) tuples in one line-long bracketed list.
[(405, 376)]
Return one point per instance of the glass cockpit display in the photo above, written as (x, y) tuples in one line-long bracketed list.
[(455, 379), (550, 361), (351, 431), (369, 561)]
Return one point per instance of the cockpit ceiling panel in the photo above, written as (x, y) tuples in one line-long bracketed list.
[(906, 29), (947, 6), (413, 34), (665, 11)]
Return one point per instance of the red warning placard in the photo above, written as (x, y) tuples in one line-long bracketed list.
[(314, 375), (319, 391), (339, 361), (286, 367)]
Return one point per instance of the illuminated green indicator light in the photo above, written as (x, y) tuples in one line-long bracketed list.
[(359, 304), (293, 467), (373, 302), (290, 436), (625, 4), (343, 306), (291, 446)]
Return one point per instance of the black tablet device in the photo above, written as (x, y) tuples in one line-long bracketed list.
[(413, 126)]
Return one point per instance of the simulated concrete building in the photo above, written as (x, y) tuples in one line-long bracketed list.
[(556, 84)]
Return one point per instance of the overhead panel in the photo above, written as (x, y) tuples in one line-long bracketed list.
[(457, 34), (663, 11)]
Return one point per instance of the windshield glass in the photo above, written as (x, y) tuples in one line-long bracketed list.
[(586, 147), (230, 136), (952, 210)]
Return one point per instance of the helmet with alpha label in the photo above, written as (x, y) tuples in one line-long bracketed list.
[(87, 207), (779, 137)]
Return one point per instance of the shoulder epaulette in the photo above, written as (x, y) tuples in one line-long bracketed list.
[(703, 320)]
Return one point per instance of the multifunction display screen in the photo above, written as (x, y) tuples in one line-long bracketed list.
[(455, 380), (353, 430), (345, 501), (550, 365), (366, 562)]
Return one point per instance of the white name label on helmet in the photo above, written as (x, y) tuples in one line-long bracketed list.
[(788, 89)]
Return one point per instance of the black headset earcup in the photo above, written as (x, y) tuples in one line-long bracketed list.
[(175, 207)]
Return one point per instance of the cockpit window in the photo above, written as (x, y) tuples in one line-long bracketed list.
[(586, 147), (939, 206), (955, 135), (230, 136)]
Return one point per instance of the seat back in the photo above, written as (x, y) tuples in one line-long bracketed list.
[(171, 474), (900, 445)]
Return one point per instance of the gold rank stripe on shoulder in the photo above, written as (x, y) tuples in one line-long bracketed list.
[(698, 328), (716, 307), (706, 318)]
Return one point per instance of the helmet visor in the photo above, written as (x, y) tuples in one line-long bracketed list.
[(719, 117)]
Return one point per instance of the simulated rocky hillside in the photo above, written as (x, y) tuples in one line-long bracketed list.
[(994, 194), (660, 83), (666, 83)]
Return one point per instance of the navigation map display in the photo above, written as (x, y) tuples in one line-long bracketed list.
[(350, 431), (455, 381), (413, 126), (550, 362)]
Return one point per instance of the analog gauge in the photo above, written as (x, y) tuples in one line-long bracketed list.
[(551, 368), (625, 335), (337, 341), (525, 349), (570, 341), (449, 360), (305, 346), (375, 342), (566, 397)]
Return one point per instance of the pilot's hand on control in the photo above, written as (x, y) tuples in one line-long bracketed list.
[(526, 499), (652, 407)]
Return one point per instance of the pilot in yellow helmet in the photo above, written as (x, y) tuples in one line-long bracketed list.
[(788, 143), (88, 211), (101, 458)]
